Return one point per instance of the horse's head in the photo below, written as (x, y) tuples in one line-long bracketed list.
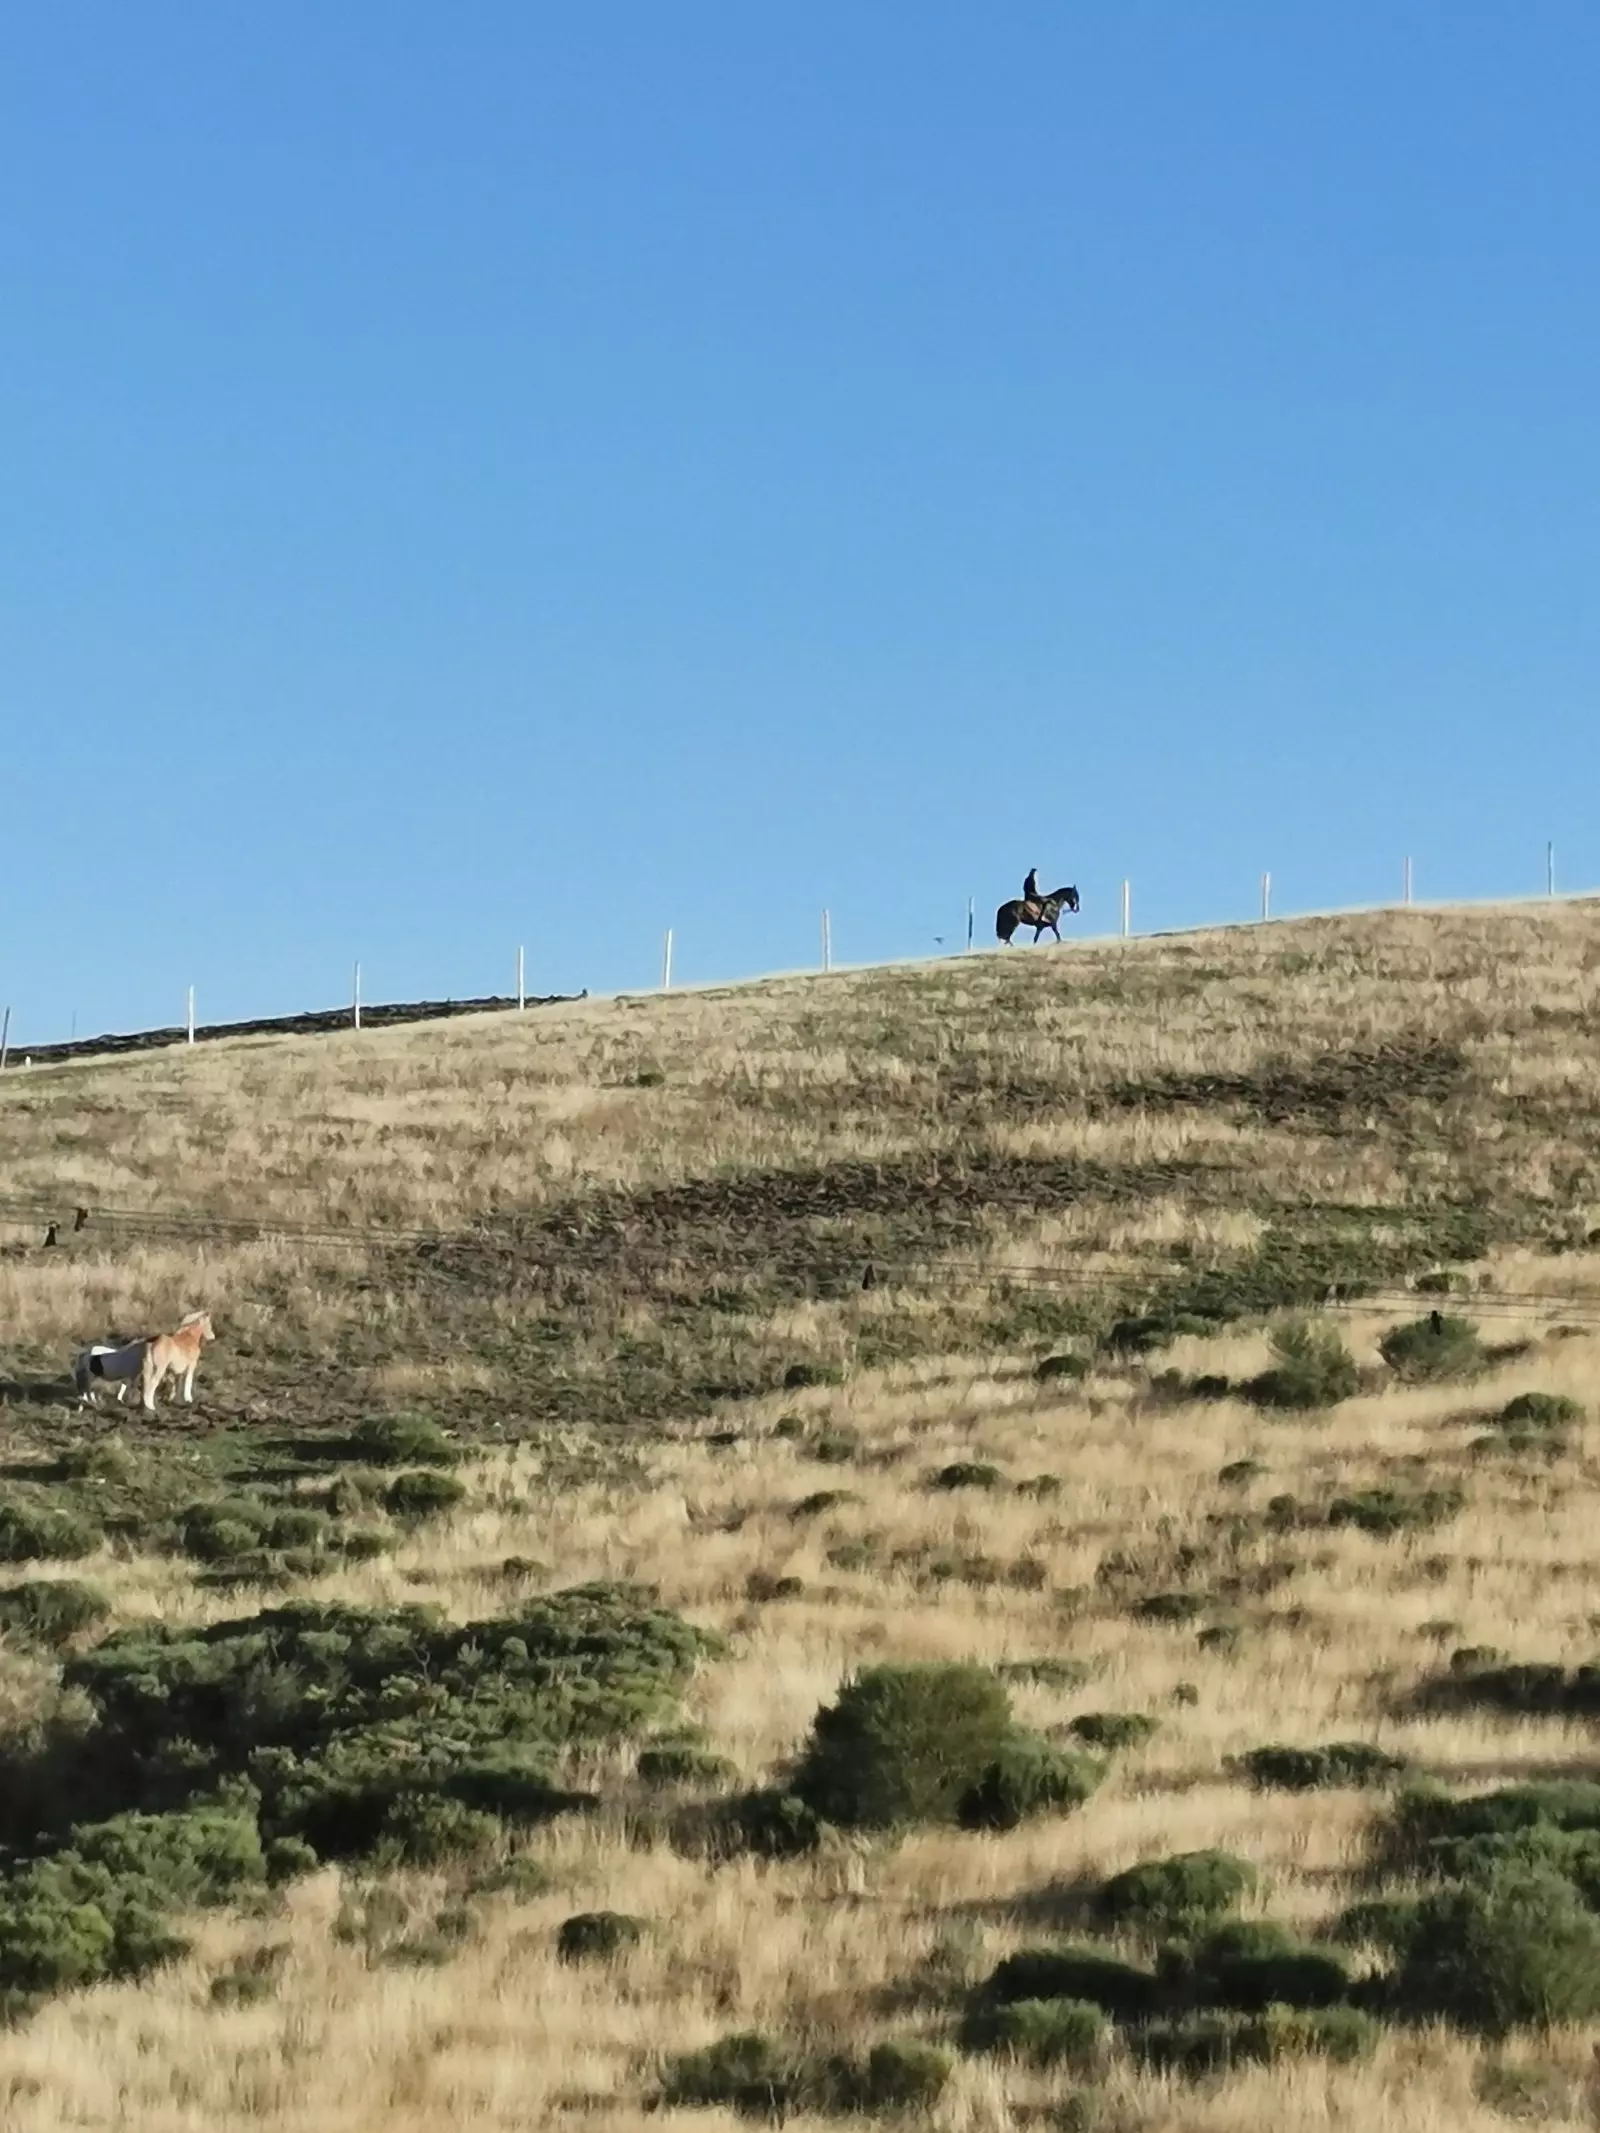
[(201, 1321), (1066, 898)]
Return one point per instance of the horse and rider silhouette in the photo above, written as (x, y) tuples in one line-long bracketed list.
[(1032, 909)]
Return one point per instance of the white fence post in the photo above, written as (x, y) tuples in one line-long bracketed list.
[(969, 925), (827, 942), (1408, 879), (191, 1015), (1127, 908), (5, 1039), (522, 972), (666, 962), (1550, 870), (355, 995), (1266, 897)]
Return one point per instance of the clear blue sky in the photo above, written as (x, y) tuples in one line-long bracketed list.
[(530, 472)]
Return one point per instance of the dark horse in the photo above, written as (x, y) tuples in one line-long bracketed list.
[(1035, 911)]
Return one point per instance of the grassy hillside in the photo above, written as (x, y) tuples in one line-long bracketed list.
[(911, 1316)]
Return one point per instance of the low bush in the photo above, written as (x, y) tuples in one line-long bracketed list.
[(1042, 2032), (799, 1375), (1170, 1609), (1257, 1964), (898, 2076), (52, 1611), (596, 1936), (1211, 2041), (1521, 1949), (757, 2078), (767, 1822), (1121, 1990), (1175, 1896), (1049, 1673), (401, 1440), (822, 1500), (1385, 1512), (747, 2073), (904, 1744), (1239, 1473), (1338, 1763), (1538, 1411), (1425, 1350), (32, 1533), (1072, 1367), (1311, 1368), (967, 1474), (1112, 1731), (682, 1763), (1029, 1776), (419, 1828), (422, 1493), (251, 1979), (1480, 1678), (1386, 1922)]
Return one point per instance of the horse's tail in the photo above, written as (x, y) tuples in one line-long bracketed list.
[(80, 1373), (1005, 921)]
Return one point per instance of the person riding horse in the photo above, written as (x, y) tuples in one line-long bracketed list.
[(1032, 909)]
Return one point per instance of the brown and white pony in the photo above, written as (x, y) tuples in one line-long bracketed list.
[(151, 1360), (1035, 911), (175, 1355)]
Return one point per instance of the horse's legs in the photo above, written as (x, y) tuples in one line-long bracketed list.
[(1056, 931)]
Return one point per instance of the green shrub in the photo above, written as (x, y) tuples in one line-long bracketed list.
[(1526, 2090), (1521, 1949), (834, 1447), (251, 1979), (1340, 1762), (764, 1585), (1386, 1922), (1539, 1410), (821, 1500), (769, 1823), (401, 1440), (1175, 1896), (1311, 1368), (799, 1375), (1122, 1990), (51, 1611), (1211, 2041), (1425, 1350), (1385, 1512), (1239, 1473), (1254, 1965), (1113, 1730), (902, 2076), (595, 1936), (1426, 1815), (1480, 1679), (1043, 2032), (904, 1744), (1029, 1776), (746, 2073), (422, 1493), (1049, 1673), (1060, 1366), (432, 1829), (1170, 1609), (30, 1534), (679, 1763), (967, 1474), (1220, 1637)]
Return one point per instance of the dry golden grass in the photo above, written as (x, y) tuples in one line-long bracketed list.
[(440, 1126)]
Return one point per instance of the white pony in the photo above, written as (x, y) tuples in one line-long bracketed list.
[(104, 1364)]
